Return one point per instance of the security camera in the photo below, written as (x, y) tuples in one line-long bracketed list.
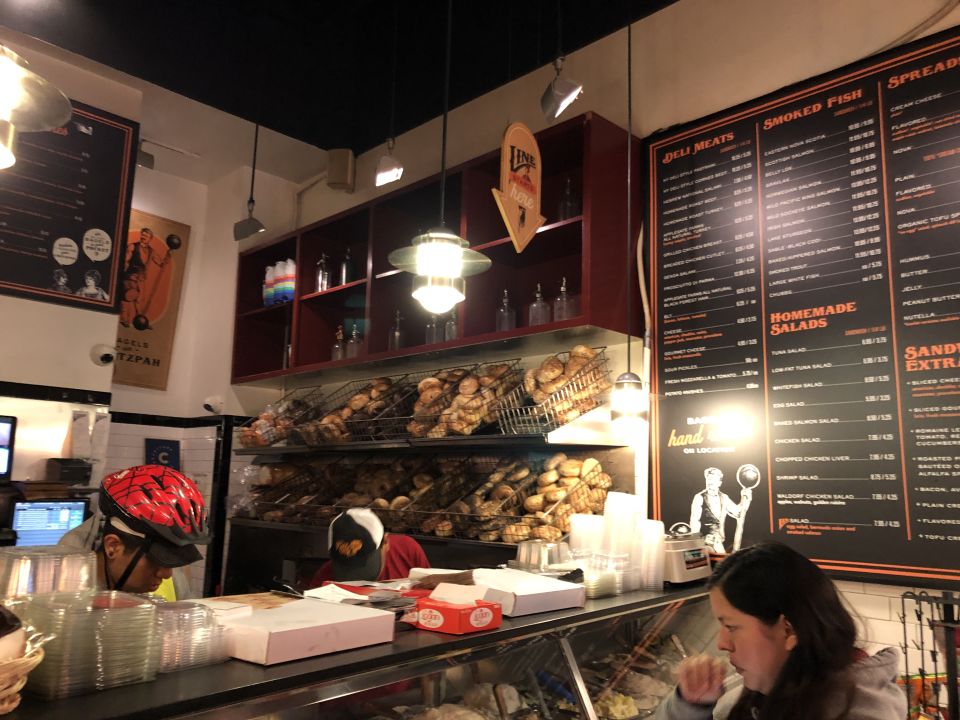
[(213, 404), (103, 354)]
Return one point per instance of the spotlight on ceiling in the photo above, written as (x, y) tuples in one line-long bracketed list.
[(28, 103), (250, 225), (389, 169), (145, 159), (559, 93)]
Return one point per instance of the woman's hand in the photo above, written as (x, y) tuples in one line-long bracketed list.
[(700, 679)]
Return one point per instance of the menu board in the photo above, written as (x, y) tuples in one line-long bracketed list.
[(806, 286), (64, 208)]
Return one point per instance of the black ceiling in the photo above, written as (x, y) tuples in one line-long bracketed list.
[(321, 71)]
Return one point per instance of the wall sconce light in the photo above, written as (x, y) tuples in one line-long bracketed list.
[(28, 103)]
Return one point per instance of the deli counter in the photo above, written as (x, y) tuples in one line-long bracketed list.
[(613, 658)]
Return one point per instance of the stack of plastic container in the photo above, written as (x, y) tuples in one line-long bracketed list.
[(31, 570), (646, 555), (103, 639), (189, 636)]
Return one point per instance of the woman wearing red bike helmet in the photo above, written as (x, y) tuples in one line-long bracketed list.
[(150, 522)]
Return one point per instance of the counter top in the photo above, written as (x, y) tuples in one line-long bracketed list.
[(191, 691)]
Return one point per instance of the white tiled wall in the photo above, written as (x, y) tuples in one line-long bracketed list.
[(878, 609), (197, 455)]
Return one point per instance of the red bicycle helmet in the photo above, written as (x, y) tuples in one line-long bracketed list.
[(157, 501)]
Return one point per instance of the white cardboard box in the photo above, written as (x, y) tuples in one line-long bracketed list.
[(225, 610), (523, 593), (305, 628)]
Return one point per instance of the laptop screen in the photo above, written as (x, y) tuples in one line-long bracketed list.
[(44, 522)]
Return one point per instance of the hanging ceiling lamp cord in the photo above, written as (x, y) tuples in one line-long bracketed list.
[(253, 171), (559, 28), (629, 188), (393, 73), (446, 104)]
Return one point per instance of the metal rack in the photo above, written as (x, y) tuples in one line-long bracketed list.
[(930, 630), (519, 414), (274, 423)]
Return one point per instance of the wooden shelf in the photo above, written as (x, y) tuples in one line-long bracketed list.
[(333, 290), (587, 152), (266, 309)]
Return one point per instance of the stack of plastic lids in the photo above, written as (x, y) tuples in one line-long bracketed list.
[(189, 635), (31, 570), (103, 639)]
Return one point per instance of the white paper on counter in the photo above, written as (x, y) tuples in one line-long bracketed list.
[(458, 594), (519, 581), (334, 593), (420, 573), (523, 593)]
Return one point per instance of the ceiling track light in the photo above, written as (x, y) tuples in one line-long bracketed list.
[(28, 103), (250, 225), (559, 93), (630, 396), (440, 258), (390, 169)]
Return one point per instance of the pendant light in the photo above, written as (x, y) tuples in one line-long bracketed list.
[(250, 225), (28, 103), (389, 169), (561, 91), (629, 397), (440, 258)]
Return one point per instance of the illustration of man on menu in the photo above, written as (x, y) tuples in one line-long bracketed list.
[(710, 507)]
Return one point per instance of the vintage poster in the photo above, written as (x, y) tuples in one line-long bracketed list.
[(150, 284), (65, 204), (807, 359)]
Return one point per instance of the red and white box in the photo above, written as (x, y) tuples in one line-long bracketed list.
[(458, 609)]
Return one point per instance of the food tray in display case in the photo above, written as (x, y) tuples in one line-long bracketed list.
[(561, 389), (274, 423), (355, 405)]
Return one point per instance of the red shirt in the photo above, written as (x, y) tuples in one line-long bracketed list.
[(403, 553)]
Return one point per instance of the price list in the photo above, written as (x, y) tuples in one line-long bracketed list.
[(63, 210), (806, 297)]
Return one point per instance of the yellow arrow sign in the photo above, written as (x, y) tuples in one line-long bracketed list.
[(519, 195)]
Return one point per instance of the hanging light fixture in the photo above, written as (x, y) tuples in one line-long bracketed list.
[(250, 225), (628, 400), (389, 169), (561, 91), (28, 103), (440, 258)]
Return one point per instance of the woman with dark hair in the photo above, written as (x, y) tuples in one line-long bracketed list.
[(789, 637)]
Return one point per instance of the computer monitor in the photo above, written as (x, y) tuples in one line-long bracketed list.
[(44, 522), (8, 433)]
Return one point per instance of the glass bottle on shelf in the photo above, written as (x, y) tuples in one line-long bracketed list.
[(539, 310), (506, 317), (395, 338), (569, 206), (346, 271), (353, 344), (433, 332), (451, 329), (323, 273), (566, 305), (336, 350)]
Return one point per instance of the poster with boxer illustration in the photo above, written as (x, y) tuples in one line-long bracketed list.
[(150, 285)]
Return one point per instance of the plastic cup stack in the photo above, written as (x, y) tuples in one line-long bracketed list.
[(189, 636), (103, 639), (646, 555), (32, 570), (619, 519), (604, 574), (586, 535)]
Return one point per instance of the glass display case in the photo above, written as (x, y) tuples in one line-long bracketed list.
[(619, 665)]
